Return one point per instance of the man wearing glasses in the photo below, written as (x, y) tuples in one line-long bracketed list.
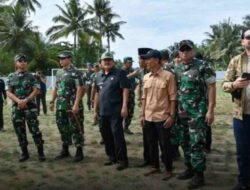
[(237, 84), (69, 91), (194, 110), (22, 88)]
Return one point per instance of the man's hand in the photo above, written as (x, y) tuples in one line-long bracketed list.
[(169, 122), (51, 106), (142, 121), (209, 118), (240, 83), (75, 109), (124, 111), (22, 103)]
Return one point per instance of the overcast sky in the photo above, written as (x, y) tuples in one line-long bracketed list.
[(157, 23)]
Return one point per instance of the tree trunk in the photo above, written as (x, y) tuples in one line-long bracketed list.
[(108, 38)]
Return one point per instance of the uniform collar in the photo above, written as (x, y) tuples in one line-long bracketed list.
[(158, 73), (110, 72)]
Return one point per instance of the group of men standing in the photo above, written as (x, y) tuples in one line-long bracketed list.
[(177, 102)]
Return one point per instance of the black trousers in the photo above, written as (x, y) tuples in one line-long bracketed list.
[(39, 98), (1, 115), (113, 136), (145, 146), (156, 134)]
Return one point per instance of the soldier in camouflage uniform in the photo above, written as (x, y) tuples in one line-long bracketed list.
[(88, 80), (193, 111), (69, 91), (128, 61), (22, 88), (174, 67)]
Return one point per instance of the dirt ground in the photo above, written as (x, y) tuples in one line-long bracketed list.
[(221, 173)]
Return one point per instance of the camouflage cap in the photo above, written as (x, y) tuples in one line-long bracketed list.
[(64, 54), (128, 60), (186, 43), (165, 54), (107, 55), (20, 56)]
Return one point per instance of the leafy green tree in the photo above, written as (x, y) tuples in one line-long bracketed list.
[(29, 5), (16, 30), (223, 42)]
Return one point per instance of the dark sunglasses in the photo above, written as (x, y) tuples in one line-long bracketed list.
[(22, 60), (185, 48), (247, 37), (62, 58)]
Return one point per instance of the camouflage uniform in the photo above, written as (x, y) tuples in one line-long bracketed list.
[(131, 99), (175, 130), (21, 85), (192, 79), (88, 79), (67, 81)]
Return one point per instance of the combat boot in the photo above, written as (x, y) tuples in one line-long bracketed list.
[(25, 154), (41, 155), (64, 153), (197, 181), (79, 155), (187, 174)]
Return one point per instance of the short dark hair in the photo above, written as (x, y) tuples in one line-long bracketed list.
[(243, 32)]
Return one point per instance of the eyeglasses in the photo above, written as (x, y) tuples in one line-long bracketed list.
[(247, 37)]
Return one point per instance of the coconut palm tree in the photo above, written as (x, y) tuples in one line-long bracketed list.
[(71, 21), (111, 29), (100, 9), (223, 42), (16, 30)]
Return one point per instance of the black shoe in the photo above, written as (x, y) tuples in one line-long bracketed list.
[(41, 155), (144, 164), (127, 131), (64, 153), (25, 154), (79, 155), (187, 174), (241, 187), (121, 166), (197, 181), (102, 142), (109, 163)]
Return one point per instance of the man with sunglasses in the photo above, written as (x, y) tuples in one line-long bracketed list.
[(22, 88), (68, 91), (194, 111), (233, 82)]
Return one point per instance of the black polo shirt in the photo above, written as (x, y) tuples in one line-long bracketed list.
[(110, 88)]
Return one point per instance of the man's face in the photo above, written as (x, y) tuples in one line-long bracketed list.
[(142, 63), (152, 63), (127, 65), (65, 62), (97, 69), (186, 54), (246, 40), (107, 64), (21, 64), (177, 60)]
